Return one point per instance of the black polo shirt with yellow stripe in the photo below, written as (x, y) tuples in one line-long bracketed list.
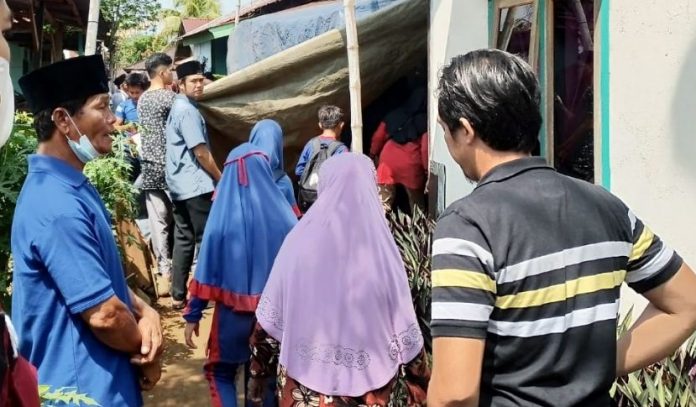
[(532, 261)]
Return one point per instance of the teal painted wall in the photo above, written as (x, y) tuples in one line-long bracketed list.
[(604, 92), (17, 64)]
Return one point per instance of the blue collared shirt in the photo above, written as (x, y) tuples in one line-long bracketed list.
[(66, 262), (127, 111), (185, 131)]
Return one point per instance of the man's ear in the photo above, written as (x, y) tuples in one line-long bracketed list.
[(467, 133), (60, 119)]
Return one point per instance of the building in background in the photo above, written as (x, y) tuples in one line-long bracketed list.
[(43, 30)]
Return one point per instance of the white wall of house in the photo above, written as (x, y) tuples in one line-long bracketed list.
[(653, 118), (202, 50), (456, 27)]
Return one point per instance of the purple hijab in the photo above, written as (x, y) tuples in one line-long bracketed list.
[(338, 299)]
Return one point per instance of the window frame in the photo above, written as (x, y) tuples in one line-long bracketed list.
[(498, 6)]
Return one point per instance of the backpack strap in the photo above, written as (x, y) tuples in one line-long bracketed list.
[(316, 147), (333, 146)]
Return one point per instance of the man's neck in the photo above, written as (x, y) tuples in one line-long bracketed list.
[(57, 147), (156, 83), (328, 134), (488, 159)]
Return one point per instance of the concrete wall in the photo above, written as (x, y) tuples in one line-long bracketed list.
[(456, 27), (202, 50), (652, 117)]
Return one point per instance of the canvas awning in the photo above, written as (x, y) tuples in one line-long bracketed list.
[(291, 85)]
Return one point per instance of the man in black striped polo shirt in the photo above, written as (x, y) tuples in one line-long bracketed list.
[(527, 268)]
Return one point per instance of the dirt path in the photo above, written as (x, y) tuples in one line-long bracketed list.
[(182, 381)]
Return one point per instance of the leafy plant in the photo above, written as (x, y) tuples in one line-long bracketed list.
[(413, 236), (63, 397), (110, 175), (13, 170), (664, 384)]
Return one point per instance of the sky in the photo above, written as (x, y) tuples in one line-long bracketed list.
[(226, 6)]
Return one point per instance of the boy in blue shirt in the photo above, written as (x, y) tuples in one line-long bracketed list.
[(127, 112), (77, 320), (331, 123)]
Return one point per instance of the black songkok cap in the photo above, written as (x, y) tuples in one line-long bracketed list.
[(189, 68), (72, 79)]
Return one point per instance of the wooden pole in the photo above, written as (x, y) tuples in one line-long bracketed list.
[(354, 76), (236, 18), (92, 27)]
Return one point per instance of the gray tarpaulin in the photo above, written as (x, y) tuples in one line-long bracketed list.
[(290, 86)]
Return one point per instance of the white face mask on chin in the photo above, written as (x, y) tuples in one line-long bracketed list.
[(83, 149), (6, 102)]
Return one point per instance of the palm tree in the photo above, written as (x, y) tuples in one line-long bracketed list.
[(198, 8)]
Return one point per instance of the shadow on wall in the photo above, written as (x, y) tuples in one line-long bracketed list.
[(683, 118)]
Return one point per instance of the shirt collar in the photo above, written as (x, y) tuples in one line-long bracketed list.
[(513, 168), (56, 167)]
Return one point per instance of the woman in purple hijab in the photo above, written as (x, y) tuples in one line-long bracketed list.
[(337, 312)]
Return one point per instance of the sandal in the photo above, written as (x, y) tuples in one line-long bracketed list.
[(178, 305)]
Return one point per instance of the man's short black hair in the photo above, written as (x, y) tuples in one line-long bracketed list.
[(330, 117), (157, 61), (498, 93), (119, 80), (43, 120), (137, 80)]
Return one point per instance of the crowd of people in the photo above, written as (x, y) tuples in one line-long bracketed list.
[(311, 298)]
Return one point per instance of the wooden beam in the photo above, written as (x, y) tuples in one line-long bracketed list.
[(35, 29), (76, 12), (500, 4)]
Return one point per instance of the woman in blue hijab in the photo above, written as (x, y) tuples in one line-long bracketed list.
[(267, 135), (248, 222)]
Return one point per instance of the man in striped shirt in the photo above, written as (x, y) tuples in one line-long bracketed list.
[(527, 269)]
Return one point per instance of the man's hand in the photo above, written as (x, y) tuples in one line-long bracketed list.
[(191, 328), (150, 328), (255, 392), (150, 374)]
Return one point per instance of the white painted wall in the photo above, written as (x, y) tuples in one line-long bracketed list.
[(456, 27), (653, 118)]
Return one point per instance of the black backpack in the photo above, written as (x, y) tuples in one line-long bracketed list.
[(310, 177)]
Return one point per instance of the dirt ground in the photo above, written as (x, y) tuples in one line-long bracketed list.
[(182, 383)]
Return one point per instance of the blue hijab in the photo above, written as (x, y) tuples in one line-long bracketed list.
[(246, 227), (267, 135)]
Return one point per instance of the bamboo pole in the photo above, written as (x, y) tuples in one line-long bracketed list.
[(354, 76)]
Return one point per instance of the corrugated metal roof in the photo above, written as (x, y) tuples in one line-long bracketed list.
[(191, 24)]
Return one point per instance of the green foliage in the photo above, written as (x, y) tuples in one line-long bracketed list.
[(198, 8), (127, 15), (664, 384), (63, 397), (110, 176), (413, 236), (135, 48), (13, 170)]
